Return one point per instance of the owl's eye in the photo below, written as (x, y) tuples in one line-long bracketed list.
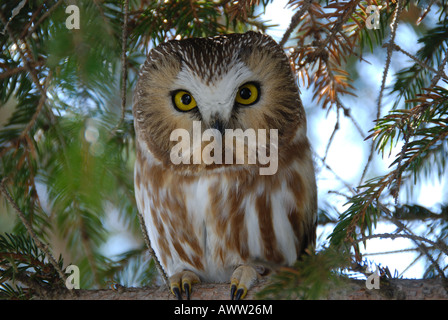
[(183, 100), (248, 94)]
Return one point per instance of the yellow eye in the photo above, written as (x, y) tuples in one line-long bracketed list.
[(248, 94), (183, 100)]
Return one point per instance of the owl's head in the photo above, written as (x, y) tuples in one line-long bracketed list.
[(236, 81)]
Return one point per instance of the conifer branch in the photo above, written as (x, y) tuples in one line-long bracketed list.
[(425, 12), (27, 32), (421, 63), (413, 237), (328, 167), (30, 230), (440, 73), (348, 9), (390, 47), (330, 140), (124, 72), (10, 72), (419, 241), (348, 114), (27, 62), (39, 108), (295, 20)]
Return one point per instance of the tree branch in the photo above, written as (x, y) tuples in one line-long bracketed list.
[(390, 289), (407, 236), (295, 20), (30, 230), (390, 49), (28, 32), (421, 63)]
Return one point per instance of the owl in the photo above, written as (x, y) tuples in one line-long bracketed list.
[(217, 218)]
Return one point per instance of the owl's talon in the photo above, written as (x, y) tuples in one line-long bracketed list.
[(242, 280), (187, 289), (237, 293), (176, 291), (232, 291), (240, 293), (187, 279)]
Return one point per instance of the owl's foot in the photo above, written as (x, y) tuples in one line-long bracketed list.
[(183, 281), (242, 280)]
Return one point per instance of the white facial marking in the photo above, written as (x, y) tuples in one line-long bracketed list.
[(216, 98)]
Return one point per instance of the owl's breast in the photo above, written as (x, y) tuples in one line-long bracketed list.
[(212, 223)]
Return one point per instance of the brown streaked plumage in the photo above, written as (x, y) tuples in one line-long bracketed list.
[(220, 222)]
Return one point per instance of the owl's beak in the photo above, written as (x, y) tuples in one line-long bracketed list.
[(219, 125)]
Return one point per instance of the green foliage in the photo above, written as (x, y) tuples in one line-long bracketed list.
[(425, 131), (412, 80), (312, 277), (159, 21), (21, 261)]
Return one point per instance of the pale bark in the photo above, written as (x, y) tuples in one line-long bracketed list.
[(402, 289)]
